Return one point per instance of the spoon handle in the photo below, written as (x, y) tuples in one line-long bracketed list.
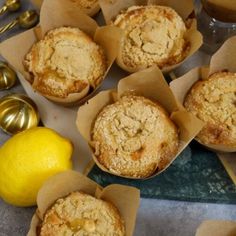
[(3, 9), (8, 26)]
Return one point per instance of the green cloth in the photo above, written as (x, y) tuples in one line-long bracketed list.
[(196, 175)]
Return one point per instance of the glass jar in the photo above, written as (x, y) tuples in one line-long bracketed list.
[(217, 22)]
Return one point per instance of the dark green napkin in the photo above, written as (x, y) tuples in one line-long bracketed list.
[(196, 175)]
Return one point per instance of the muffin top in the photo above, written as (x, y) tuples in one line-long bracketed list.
[(90, 7), (153, 35), (85, 4), (80, 214), (65, 61), (133, 137), (214, 101)]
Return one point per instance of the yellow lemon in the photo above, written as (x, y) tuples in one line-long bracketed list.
[(27, 160)]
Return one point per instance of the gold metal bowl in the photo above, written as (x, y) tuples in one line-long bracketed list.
[(7, 76), (17, 113)]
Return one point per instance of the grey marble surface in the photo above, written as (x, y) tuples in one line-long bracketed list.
[(155, 217)]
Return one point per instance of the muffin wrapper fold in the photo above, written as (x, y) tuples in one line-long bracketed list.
[(151, 84), (223, 60), (216, 228), (90, 12), (56, 14), (125, 198), (37, 3), (111, 8)]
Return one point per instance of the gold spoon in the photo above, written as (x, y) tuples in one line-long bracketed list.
[(7, 76), (17, 113), (26, 20), (10, 5)]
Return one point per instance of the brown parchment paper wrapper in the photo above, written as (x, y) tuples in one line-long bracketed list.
[(125, 198), (223, 60), (111, 9), (229, 162), (216, 228), (151, 84), (37, 3), (55, 14), (89, 11)]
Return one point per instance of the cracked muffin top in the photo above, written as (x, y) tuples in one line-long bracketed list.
[(153, 35), (86, 4), (214, 101), (80, 214), (134, 137), (91, 7), (65, 61)]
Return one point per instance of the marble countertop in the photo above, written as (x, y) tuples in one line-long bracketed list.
[(155, 217)]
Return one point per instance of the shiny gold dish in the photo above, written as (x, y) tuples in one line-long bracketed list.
[(26, 20), (7, 76), (17, 113), (10, 5)]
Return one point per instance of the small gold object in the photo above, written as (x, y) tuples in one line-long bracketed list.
[(26, 20), (7, 76), (17, 113), (10, 5)]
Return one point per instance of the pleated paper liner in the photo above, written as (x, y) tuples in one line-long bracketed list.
[(125, 198), (229, 162), (151, 84), (89, 11), (217, 228), (223, 60), (56, 14), (111, 9)]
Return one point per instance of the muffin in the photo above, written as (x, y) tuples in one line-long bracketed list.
[(134, 137), (82, 214), (90, 7), (214, 101), (153, 35), (64, 62)]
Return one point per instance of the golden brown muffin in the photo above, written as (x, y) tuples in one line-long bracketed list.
[(91, 7), (214, 101), (64, 62), (86, 4), (154, 35), (134, 136), (80, 214)]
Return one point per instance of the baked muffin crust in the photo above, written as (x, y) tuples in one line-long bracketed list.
[(65, 61), (80, 214), (90, 7), (134, 136), (154, 35), (86, 4), (214, 101)]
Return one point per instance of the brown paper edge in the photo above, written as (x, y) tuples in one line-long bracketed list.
[(90, 12), (228, 161), (216, 228), (55, 14), (151, 84), (37, 3), (225, 57), (111, 9), (125, 198), (220, 61)]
